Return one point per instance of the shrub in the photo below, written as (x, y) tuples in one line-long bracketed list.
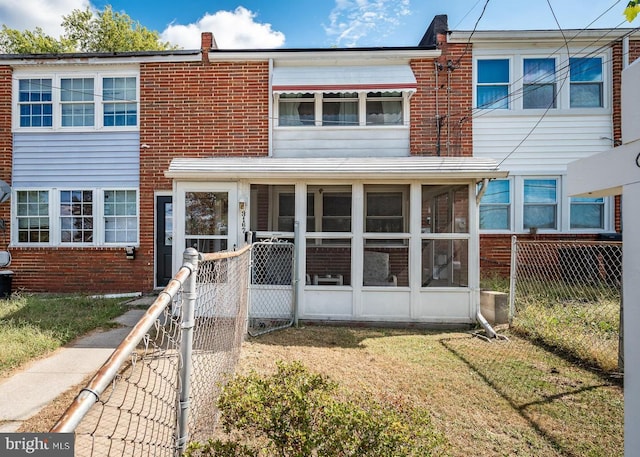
[(296, 413)]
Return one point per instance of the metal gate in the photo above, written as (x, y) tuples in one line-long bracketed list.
[(272, 305)]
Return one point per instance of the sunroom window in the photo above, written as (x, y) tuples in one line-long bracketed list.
[(539, 84)]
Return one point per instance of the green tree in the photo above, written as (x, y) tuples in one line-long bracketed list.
[(85, 31)]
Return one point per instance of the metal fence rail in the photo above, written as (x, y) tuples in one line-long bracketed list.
[(567, 295), (157, 391)]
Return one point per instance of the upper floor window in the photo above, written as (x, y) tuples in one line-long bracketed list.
[(76, 102), (492, 90), (342, 109), (119, 100), (67, 101), (384, 108), (586, 82), (35, 103), (539, 84), (296, 109)]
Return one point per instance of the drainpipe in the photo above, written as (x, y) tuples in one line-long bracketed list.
[(491, 333), (270, 111)]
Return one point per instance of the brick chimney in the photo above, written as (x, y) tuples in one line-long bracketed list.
[(207, 43)]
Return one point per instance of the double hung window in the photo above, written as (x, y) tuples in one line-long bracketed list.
[(495, 207), (539, 84), (120, 107), (586, 82), (76, 102), (587, 213), (492, 89), (340, 109), (35, 102), (540, 209)]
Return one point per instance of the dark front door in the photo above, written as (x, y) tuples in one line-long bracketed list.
[(164, 240)]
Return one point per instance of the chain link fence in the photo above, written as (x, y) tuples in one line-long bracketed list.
[(567, 295), (158, 389), (272, 287)]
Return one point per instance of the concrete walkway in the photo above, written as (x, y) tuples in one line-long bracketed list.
[(28, 391)]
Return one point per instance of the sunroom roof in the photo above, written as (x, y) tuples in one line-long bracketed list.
[(380, 168)]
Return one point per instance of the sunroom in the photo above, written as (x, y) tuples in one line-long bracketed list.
[(376, 239)]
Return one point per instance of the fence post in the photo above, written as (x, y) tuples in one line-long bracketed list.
[(512, 278), (189, 295), (296, 275)]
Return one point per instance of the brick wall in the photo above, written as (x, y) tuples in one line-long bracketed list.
[(441, 107), (6, 141)]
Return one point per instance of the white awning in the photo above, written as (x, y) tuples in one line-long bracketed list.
[(385, 78), (379, 168)]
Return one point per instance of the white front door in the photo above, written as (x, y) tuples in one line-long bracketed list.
[(206, 217)]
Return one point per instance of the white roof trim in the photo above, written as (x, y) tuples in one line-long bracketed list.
[(415, 167), (343, 78)]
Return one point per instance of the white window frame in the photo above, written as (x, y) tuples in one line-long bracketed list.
[(516, 58), (510, 205), (97, 75), (55, 227), (509, 83), (362, 111)]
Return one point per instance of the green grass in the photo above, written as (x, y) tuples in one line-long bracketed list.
[(33, 325)]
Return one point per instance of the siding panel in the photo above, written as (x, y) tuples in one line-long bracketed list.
[(545, 147), (69, 159), (341, 142)]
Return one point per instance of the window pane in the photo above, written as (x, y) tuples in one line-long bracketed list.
[(206, 213), (385, 266), (493, 71), (495, 97), (587, 95), (539, 71), (296, 110), (585, 69), (494, 217), (76, 216), (445, 263), (540, 191), (384, 108), (445, 209), (384, 211), (540, 216), (121, 220), (497, 192), (340, 112), (328, 262), (587, 213)]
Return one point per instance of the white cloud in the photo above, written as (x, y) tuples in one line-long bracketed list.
[(46, 14), (232, 30), (353, 20)]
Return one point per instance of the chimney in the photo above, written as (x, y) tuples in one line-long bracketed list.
[(436, 33), (207, 43)]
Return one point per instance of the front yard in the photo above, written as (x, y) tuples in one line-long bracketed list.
[(501, 398)]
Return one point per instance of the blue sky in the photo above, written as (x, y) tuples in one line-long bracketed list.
[(321, 23)]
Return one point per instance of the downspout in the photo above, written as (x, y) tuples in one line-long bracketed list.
[(270, 111), (491, 333)]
